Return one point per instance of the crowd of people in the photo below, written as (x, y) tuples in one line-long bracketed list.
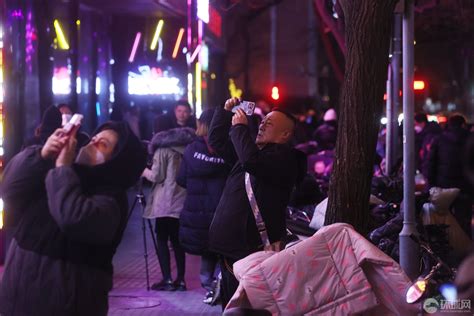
[(220, 187)]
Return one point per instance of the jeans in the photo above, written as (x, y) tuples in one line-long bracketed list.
[(209, 271)]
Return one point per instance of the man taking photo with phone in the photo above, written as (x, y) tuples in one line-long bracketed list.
[(274, 168), (71, 213)]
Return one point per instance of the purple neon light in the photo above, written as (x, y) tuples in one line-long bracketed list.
[(195, 53), (134, 48)]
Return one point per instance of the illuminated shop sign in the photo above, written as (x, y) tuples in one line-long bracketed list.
[(61, 81), (153, 81), (203, 10)]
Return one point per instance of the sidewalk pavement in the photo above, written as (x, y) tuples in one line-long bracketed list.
[(130, 296)]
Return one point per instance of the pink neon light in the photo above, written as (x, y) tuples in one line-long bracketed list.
[(200, 27), (196, 52), (189, 24), (135, 46)]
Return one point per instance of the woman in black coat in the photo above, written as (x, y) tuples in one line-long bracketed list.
[(203, 174)]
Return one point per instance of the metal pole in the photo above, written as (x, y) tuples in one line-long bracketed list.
[(392, 118), (409, 250), (388, 136), (273, 36)]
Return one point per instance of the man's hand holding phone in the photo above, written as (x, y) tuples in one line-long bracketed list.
[(235, 104), (231, 103), (239, 118)]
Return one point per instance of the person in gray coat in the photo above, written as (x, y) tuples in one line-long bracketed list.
[(166, 200), (71, 213)]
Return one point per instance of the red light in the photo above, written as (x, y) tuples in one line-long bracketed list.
[(419, 85), (275, 93)]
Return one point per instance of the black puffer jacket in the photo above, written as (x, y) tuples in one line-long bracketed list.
[(445, 160), (275, 169), (203, 173)]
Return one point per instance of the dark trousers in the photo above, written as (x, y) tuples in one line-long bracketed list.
[(229, 283), (167, 228)]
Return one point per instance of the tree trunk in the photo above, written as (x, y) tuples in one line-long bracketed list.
[(368, 24)]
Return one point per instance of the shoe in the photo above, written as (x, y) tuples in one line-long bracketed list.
[(163, 285), (216, 298), (180, 285), (208, 298)]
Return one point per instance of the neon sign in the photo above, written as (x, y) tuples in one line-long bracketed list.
[(203, 10), (153, 81), (61, 81)]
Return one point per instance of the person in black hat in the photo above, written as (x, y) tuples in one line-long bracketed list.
[(50, 121), (72, 212)]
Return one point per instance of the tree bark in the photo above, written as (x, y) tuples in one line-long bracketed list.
[(367, 35)]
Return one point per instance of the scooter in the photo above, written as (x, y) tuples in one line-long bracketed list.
[(437, 281)]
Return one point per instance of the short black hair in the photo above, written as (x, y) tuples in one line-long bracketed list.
[(182, 102), (287, 114), (456, 120)]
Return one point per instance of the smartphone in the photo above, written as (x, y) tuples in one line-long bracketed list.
[(247, 106), (75, 120)]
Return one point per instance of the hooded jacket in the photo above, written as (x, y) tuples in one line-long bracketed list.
[(69, 226), (203, 173), (275, 169), (167, 197)]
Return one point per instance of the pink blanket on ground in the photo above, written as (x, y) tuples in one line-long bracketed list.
[(334, 272)]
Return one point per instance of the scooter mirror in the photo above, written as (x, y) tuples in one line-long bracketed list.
[(416, 291)]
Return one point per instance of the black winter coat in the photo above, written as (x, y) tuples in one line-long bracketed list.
[(60, 258), (203, 174), (445, 160), (274, 170)]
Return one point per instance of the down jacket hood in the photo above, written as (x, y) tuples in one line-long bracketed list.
[(172, 138), (126, 165)]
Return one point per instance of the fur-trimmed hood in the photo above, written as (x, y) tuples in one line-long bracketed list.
[(176, 137)]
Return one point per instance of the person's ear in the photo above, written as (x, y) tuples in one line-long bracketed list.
[(286, 135)]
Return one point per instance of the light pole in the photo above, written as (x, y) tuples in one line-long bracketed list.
[(409, 250)]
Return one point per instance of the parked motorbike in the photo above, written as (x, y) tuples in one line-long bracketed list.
[(435, 282)]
